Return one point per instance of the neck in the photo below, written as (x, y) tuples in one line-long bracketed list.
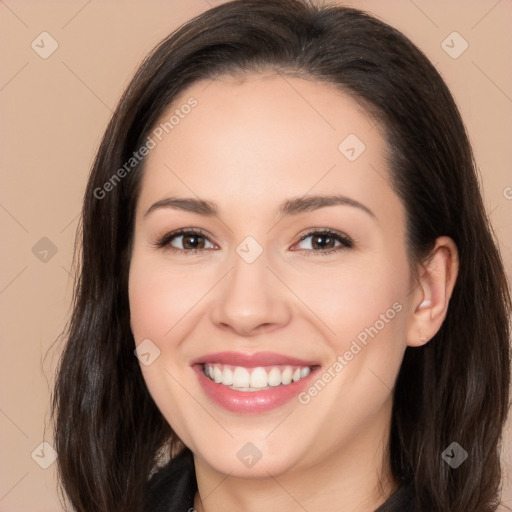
[(354, 478)]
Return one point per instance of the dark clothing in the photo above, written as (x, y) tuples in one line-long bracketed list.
[(173, 487)]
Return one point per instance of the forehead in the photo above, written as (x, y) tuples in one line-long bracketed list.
[(262, 139)]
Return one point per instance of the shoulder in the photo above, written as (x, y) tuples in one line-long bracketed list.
[(173, 486)]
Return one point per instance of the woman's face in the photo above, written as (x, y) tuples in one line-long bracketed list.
[(302, 331)]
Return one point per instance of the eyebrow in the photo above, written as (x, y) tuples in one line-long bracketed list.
[(293, 206)]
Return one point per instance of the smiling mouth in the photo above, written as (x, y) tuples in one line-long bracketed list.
[(252, 383), (261, 378)]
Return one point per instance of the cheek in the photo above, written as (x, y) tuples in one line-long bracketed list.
[(159, 298), (365, 310), (354, 297), (158, 301)]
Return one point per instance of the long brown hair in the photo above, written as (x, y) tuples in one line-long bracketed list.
[(108, 430)]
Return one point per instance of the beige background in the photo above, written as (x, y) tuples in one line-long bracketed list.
[(53, 113)]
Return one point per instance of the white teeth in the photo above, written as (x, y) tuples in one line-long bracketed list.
[(227, 376), (258, 378), (286, 376), (274, 377), (240, 377), (217, 374), (254, 379)]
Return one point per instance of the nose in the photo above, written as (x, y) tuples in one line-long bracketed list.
[(251, 299)]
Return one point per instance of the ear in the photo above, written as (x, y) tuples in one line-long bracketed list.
[(430, 299)]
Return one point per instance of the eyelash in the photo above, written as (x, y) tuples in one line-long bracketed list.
[(346, 242)]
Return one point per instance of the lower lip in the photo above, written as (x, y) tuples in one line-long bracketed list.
[(251, 402)]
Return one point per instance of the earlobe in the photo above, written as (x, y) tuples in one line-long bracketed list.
[(432, 296)]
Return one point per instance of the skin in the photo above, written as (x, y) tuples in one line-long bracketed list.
[(249, 145)]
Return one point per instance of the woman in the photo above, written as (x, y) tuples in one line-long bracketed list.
[(283, 223)]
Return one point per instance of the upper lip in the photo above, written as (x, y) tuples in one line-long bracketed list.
[(251, 360)]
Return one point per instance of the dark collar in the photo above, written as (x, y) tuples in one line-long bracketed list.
[(173, 487)]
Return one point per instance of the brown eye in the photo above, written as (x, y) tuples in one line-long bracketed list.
[(185, 241), (324, 242), (192, 241)]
